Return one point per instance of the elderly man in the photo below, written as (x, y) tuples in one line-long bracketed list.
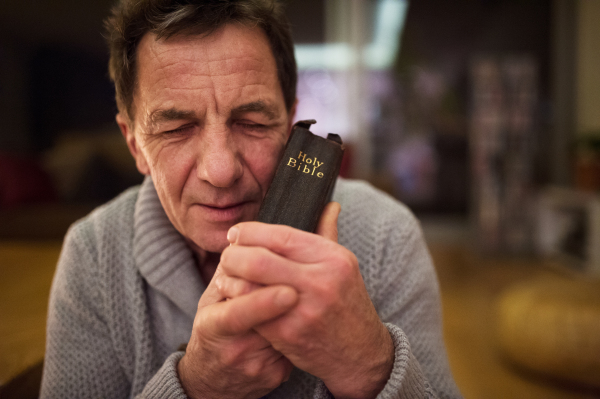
[(206, 97)]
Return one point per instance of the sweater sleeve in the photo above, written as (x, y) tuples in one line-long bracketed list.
[(165, 383), (81, 360), (408, 302)]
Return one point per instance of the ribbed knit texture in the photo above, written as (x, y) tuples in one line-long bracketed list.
[(126, 288)]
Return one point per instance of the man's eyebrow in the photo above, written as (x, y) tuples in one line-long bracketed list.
[(268, 110), (170, 114)]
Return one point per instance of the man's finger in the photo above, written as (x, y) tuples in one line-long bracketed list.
[(259, 265), (293, 244), (241, 314), (327, 226), (232, 287)]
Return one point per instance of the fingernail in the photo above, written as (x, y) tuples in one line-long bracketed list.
[(285, 297), (232, 234)]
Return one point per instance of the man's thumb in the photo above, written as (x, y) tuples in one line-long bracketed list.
[(327, 226)]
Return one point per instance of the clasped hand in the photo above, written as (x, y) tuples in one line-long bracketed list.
[(282, 298)]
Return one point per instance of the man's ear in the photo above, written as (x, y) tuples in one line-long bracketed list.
[(291, 117), (132, 144)]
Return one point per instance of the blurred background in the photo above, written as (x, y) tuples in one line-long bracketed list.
[(483, 116)]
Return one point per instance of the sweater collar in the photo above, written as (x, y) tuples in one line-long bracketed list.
[(161, 254)]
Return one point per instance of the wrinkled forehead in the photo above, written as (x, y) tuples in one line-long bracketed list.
[(227, 63), (183, 62), (231, 50)]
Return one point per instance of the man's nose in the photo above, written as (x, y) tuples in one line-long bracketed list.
[(219, 159)]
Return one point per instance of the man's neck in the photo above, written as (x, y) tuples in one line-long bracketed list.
[(208, 265), (206, 262)]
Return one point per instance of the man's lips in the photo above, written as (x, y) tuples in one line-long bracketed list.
[(224, 212), (232, 205)]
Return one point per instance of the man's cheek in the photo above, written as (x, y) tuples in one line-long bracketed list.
[(173, 163), (264, 163)]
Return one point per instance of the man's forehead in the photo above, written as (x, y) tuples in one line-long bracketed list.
[(224, 59), (246, 47), (185, 60)]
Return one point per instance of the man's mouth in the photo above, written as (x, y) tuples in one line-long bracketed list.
[(226, 206), (224, 212)]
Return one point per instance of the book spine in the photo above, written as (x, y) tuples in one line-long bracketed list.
[(304, 179)]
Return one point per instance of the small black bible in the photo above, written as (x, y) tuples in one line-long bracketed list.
[(304, 179)]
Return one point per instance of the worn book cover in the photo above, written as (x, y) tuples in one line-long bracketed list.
[(304, 179)]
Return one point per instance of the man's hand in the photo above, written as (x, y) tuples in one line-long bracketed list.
[(225, 357), (333, 332)]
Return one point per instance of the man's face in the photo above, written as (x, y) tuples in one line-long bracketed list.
[(210, 125)]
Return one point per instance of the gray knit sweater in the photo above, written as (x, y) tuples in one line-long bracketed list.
[(126, 290)]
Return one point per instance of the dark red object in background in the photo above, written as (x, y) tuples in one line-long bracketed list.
[(23, 181)]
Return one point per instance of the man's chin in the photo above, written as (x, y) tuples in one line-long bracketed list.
[(215, 243), (208, 237)]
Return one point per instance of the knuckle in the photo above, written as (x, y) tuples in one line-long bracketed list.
[(284, 237), (345, 266), (229, 356), (311, 315), (240, 287), (253, 369), (323, 286), (259, 261), (330, 288), (288, 337), (220, 283), (233, 287), (225, 289), (327, 288)]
